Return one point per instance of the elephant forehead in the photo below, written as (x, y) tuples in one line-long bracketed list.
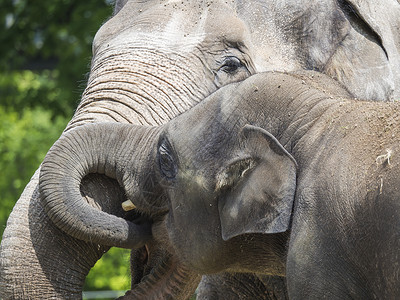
[(202, 152), (184, 39), (271, 31), (180, 24)]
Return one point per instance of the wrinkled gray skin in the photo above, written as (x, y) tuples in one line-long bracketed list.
[(342, 176), (282, 152), (154, 60), (281, 175), (242, 286)]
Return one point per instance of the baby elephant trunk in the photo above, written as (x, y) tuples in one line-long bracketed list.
[(119, 151)]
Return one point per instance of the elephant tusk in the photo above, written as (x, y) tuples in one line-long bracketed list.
[(128, 205)]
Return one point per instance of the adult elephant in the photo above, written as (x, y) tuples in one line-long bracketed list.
[(280, 174), (155, 59)]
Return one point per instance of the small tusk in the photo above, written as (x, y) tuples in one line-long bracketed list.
[(128, 205)]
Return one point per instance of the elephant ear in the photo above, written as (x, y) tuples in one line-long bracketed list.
[(119, 4), (367, 60), (257, 189), (384, 18)]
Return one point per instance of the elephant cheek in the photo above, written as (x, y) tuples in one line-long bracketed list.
[(195, 237), (160, 233)]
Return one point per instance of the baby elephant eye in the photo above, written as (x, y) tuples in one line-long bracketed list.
[(166, 161)]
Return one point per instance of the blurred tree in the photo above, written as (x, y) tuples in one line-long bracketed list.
[(115, 267), (49, 35), (25, 137), (44, 55)]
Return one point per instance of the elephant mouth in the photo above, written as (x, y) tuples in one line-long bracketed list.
[(162, 277), (143, 208), (157, 272), (138, 217)]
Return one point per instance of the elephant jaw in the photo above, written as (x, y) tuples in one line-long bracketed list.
[(167, 280), (157, 272)]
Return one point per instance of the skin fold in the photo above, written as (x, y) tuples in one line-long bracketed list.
[(153, 61)]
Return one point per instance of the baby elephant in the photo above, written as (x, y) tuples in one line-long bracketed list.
[(282, 174), (278, 175)]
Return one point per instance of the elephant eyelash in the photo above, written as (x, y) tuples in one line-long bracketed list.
[(166, 160), (231, 64), (232, 174)]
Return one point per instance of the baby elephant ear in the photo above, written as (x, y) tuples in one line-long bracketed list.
[(262, 200)]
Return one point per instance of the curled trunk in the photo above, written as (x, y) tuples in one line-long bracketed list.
[(119, 151), (54, 264)]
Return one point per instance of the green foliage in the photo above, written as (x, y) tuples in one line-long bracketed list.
[(27, 89), (25, 137), (49, 35), (114, 265), (44, 55)]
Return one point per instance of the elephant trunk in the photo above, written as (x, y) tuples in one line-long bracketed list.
[(168, 280), (119, 151)]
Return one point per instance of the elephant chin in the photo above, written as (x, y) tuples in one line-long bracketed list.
[(169, 279)]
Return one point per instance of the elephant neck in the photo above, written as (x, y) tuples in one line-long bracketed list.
[(288, 107), (302, 115)]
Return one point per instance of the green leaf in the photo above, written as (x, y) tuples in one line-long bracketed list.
[(25, 138), (111, 272)]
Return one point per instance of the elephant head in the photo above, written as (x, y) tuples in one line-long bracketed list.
[(153, 60), (125, 153), (240, 183), (241, 189), (158, 194), (231, 186)]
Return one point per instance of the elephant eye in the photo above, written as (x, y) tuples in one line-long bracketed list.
[(231, 64), (231, 69), (166, 160)]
